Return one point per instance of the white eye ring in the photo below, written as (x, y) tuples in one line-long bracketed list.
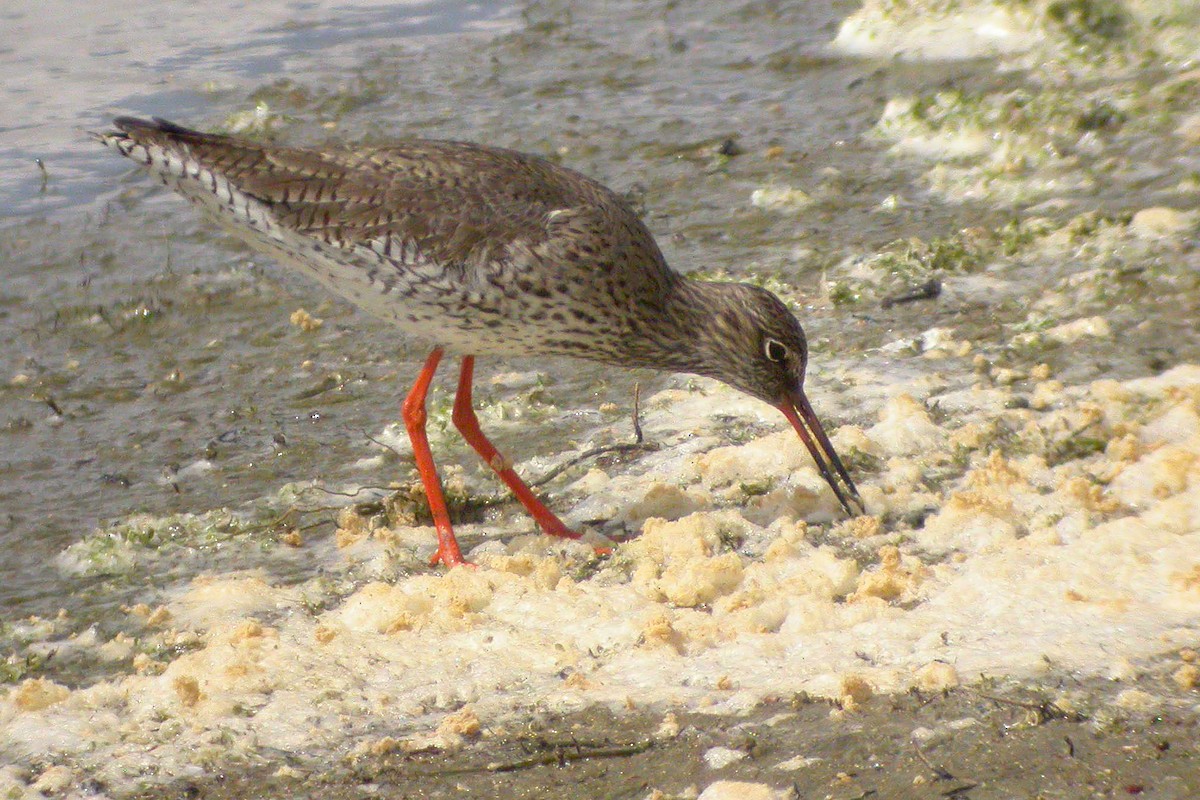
[(774, 350)]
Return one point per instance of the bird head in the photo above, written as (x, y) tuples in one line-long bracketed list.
[(750, 340)]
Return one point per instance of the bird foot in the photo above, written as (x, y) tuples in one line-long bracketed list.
[(562, 531), (450, 555), (556, 527)]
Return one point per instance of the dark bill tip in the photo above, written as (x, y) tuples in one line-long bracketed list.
[(800, 413)]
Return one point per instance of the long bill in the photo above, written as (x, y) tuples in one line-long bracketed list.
[(800, 413)]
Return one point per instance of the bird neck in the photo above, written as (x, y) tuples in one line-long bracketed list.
[(677, 336)]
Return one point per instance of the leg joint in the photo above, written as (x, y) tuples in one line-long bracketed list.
[(463, 416), (414, 414)]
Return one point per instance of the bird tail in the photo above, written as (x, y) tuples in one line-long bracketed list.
[(164, 147), (204, 168)]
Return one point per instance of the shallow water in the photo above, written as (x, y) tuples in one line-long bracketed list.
[(67, 68), (110, 290)]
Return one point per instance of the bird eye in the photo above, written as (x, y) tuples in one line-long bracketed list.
[(775, 351)]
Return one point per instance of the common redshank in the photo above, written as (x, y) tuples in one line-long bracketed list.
[(487, 251)]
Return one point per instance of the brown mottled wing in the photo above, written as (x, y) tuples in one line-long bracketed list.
[(422, 200)]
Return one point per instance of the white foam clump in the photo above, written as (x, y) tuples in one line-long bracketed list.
[(888, 29), (780, 198), (904, 428), (896, 124), (1021, 562)]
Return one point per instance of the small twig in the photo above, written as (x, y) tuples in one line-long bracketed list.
[(351, 495), (941, 773), (284, 519), (637, 413), (863, 795), (272, 524), (639, 444), (563, 755), (1045, 709), (558, 469), (384, 445), (926, 291)]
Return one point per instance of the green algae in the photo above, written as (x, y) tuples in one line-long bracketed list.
[(127, 547)]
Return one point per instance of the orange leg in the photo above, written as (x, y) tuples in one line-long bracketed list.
[(414, 415), (468, 425)]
